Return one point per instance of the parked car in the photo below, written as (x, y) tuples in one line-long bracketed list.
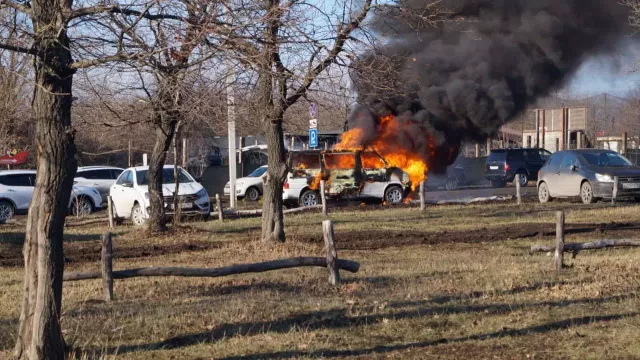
[(348, 175), (130, 194), (502, 165), (16, 192), (99, 177), (589, 174), (249, 187), (450, 180)]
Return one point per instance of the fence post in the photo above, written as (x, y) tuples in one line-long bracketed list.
[(559, 255), (110, 212), (614, 195), (219, 206), (323, 198), (518, 196), (107, 266), (422, 205), (332, 256)]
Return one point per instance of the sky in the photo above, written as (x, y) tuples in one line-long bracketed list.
[(615, 74)]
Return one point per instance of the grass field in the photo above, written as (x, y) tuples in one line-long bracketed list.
[(452, 282)]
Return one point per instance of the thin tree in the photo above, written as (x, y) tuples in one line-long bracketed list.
[(289, 48)]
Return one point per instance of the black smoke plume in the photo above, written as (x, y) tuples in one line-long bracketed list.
[(479, 68)]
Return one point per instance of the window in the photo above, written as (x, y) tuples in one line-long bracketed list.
[(569, 161), (371, 161), (544, 154), (115, 173), (127, 177), (95, 174), (605, 158), (17, 180), (167, 176), (555, 160), (497, 155), (340, 161), (515, 154), (306, 161), (258, 172)]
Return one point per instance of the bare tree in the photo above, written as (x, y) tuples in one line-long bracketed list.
[(290, 45), (50, 46)]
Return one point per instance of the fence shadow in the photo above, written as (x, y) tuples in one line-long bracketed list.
[(538, 329), (342, 318)]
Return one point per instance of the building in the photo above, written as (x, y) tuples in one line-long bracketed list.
[(558, 129)]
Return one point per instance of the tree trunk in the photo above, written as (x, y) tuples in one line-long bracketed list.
[(166, 113), (39, 333), (272, 215), (164, 134)]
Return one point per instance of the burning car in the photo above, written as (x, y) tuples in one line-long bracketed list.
[(348, 175)]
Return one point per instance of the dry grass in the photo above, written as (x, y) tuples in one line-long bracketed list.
[(450, 300)]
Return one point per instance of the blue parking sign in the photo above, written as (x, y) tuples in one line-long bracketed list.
[(313, 138)]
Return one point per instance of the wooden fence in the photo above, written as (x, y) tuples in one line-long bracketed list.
[(107, 274)]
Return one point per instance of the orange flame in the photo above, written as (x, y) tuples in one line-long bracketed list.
[(396, 155), (315, 183)]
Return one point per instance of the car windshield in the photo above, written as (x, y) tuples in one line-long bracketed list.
[(605, 159), (499, 155), (167, 176), (258, 172)]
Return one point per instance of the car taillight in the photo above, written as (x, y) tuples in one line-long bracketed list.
[(285, 185), (506, 167)]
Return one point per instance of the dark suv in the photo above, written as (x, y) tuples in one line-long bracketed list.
[(503, 164)]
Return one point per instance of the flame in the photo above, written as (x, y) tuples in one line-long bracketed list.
[(315, 183), (385, 144)]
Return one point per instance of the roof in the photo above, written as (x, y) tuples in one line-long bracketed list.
[(98, 167), (140, 168), (7, 172)]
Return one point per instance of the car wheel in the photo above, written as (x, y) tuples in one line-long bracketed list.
[(586, 193), (524, 179), (253, 194), (81, 206), (6, 211), (137, 215), (543, 193), (451, 184), (309, 198), (393, 195), (497, 183)]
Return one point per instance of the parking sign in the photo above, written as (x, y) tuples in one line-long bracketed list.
[(313, 138)]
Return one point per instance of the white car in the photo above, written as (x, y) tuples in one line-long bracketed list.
[(16, 191), (99, 177), (249, 187), (130, 194)]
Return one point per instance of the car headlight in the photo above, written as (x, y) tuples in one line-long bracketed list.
[(604, 178), (202, 193)]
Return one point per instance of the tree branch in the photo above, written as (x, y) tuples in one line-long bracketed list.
[(19, 49), (15, 6), (116, 9), (338, 46)]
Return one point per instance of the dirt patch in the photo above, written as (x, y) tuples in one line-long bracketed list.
[(372, 239)]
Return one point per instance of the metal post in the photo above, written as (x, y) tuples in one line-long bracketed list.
[(477, 150), (231, 125), (615, 190), (544, 135), (422, 204), (537, 128), (559, 255), (624, 144), (518, 189), (130, 157)]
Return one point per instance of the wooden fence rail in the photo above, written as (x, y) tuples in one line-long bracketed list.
[(107, 274)]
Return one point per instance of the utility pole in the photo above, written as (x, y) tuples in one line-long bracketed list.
[(231, 124)]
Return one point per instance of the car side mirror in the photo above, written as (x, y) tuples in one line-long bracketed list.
[(574, 168), (127, 184)]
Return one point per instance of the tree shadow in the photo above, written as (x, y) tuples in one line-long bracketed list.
[(8, 327), (381, 349), (343, 318)]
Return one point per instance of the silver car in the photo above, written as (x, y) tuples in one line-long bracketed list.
[(589, 174)]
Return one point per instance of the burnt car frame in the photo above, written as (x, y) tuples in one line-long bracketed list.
[(348, 175)]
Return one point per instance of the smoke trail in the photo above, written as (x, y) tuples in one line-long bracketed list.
[(463, 80)]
